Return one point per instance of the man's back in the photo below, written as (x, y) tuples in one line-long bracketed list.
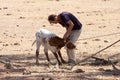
[(66, 16)]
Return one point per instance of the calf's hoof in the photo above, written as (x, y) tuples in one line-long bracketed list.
[(37, 63), (48, 64), (60, 64), (64, 62)]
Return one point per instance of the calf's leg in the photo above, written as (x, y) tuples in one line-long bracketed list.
[(46, 53), (59, 53), (37, 57), (37, 52), (57, 58)]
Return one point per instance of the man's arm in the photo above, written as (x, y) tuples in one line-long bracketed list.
[(69, 29)]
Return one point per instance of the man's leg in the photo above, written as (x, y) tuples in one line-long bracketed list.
[(71, 52), (71, 55)]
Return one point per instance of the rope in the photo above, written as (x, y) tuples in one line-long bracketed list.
[(100, 36)]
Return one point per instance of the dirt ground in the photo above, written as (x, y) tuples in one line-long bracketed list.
[(20, 19)]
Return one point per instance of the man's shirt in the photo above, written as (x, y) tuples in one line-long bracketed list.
[(66, 16)]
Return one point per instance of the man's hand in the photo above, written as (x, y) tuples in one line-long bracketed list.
[(65, 37)]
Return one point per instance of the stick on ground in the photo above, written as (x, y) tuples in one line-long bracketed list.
[(98, 52)]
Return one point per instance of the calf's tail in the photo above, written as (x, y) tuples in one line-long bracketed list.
[(33, 43)]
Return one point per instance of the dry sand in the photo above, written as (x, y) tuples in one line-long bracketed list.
[(20, 19)]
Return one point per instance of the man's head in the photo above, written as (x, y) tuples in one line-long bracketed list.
[(53, 19)]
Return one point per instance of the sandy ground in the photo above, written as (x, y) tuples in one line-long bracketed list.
[(20, 19)]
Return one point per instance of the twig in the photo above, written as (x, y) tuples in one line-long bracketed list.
[(114, 68), (7, 64)]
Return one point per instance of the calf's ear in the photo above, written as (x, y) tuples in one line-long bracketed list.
[(70, 45)]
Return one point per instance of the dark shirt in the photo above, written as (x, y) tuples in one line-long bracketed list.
[(66, 16)]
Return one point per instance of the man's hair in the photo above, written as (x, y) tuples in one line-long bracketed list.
[(51, 17)]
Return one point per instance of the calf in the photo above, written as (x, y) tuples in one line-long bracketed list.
[(51, 41)]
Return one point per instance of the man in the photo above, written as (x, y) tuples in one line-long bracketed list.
[(73, 30)]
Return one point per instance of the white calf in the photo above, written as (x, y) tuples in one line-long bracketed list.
[(52, 42)]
